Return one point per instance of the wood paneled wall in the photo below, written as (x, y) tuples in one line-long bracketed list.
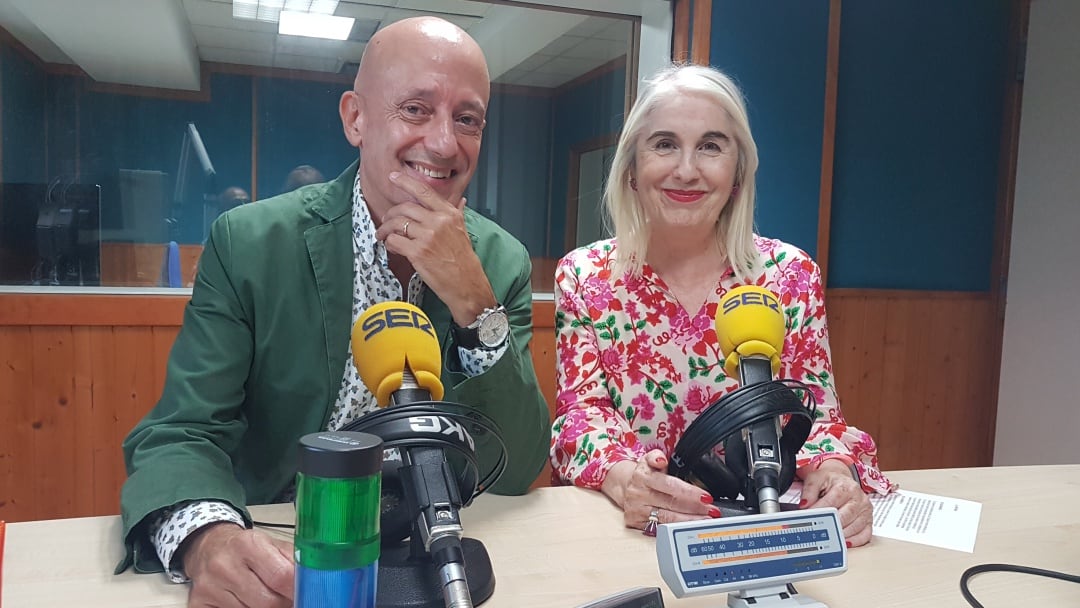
[(542, 349), (71, 394), (77, 372), (918, 371)]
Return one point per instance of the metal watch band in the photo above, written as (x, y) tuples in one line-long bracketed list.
[(469, 337)]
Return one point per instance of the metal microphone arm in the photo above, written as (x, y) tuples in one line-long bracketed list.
[(430, 488), (432, 491), (762, 439)]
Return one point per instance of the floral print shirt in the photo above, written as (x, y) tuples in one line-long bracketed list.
[(634, 368)]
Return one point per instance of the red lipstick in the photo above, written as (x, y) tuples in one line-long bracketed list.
[(684, 196)]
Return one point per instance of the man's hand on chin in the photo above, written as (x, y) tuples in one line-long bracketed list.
[(431, 235)]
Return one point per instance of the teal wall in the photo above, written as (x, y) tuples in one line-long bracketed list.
[(511, 182), (918, 131), (54, 126), (61, 110), (589, 110), (145, 133), (776, 51), (299, 124), (22, 118), (918, 136)]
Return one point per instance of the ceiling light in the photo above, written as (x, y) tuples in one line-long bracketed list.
[(316, 26), (324, 7), (262, 10), (302, 6), (270, 10), (245, 9)]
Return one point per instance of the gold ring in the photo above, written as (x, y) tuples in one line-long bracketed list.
[(405, 230)]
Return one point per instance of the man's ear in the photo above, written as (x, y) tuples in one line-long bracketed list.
[(352, 118)]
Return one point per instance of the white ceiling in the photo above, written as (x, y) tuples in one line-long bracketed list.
[(159, 43)]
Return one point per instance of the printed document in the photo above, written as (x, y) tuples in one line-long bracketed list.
[(950, 523)]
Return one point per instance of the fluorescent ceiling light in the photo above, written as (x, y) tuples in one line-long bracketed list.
[(245, 9), (315, 26), (325, 7), (302, 6), (270, 10), (267, 13)]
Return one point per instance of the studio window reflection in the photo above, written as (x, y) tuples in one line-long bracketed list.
[(117, 158)]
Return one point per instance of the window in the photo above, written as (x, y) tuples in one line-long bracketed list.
[(119, 150)]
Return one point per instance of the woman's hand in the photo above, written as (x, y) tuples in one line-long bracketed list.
[(644, 486), (831, 485)]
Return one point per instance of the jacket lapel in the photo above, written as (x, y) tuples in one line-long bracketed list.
[(329, 247)]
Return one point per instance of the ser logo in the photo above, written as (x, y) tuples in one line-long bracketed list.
[(440, 426), (752, 298), (396, 317)]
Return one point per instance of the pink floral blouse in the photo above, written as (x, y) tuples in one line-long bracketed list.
[(635, 368)]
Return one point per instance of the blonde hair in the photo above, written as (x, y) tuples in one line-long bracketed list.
[(625, 216)]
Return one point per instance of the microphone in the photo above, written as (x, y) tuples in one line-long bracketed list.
[(397, 356), (750, 330)]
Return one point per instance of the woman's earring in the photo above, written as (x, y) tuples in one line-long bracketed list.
[(633, 184), (734, 190)]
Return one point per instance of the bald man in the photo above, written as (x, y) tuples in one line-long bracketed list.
[(263, 356)]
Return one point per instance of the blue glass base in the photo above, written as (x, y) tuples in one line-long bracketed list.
[(336, 588)]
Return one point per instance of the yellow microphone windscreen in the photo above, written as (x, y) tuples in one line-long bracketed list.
[(749, 321), (387, 338)]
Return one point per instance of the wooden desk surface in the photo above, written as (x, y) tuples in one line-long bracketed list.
[(577, 551)]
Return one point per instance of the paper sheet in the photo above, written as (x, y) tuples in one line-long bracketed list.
[(939, 521)]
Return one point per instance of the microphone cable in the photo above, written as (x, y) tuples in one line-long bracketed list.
[(983, 568)]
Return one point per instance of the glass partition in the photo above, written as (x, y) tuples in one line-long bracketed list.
[(119, 150)]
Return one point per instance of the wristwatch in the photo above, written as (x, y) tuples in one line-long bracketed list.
[(489, 331)]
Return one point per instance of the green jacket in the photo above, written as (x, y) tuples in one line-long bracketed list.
[(260, 357)]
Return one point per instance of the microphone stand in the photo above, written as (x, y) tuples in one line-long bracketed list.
[(762, 441), (429, 570)]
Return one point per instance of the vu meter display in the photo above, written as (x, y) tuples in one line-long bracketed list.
[(750, 551)]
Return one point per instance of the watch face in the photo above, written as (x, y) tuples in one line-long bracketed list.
[(494, 328)]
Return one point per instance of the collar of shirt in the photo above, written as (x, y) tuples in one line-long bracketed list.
[(380, 285)]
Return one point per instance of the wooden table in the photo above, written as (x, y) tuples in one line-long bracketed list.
[(562, 547)]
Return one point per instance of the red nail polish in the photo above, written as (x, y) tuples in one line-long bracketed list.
[(848, 544), (714, 512), (802, 503), (706, 499), (661, 461)]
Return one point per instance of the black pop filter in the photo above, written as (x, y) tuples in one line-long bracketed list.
[(695, 456)]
